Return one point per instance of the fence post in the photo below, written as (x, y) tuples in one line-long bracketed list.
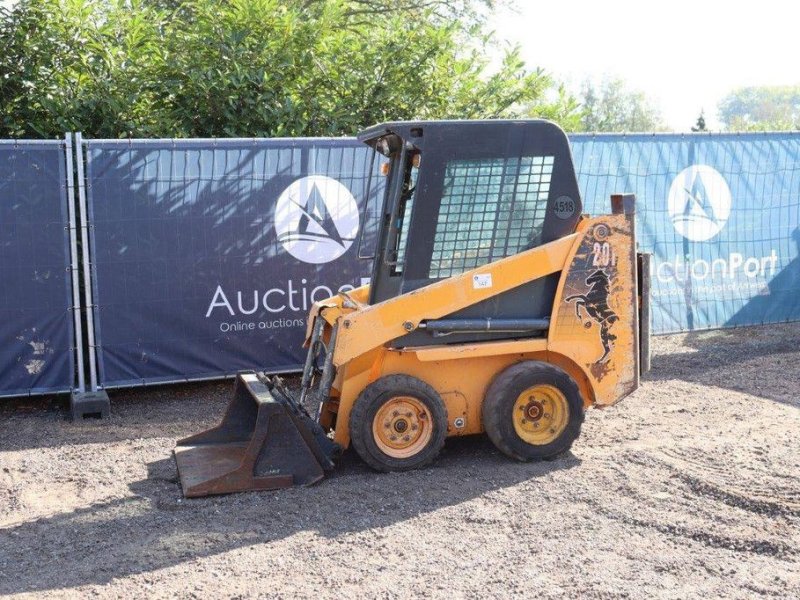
[(87, 271), (94, 402), (73, 264)]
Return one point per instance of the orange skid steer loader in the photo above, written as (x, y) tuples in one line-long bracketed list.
[(494, 306)]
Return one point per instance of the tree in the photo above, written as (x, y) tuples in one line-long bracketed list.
[(700, 124), (559, 105), (78, 65), (611, 106), (775, 108), (175, 68)]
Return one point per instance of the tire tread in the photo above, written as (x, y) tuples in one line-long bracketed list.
[(361, 423), (501, 391)]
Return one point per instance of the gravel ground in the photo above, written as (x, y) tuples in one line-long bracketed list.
[(688, 488)]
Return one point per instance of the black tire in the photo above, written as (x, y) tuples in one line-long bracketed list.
[(498, 408), (370, 402)]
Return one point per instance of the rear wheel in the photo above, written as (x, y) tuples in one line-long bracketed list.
[(533, 410), (398, 423)]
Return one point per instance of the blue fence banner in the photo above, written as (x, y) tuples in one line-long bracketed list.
[(36, 326), (207, 254), (720, 213)]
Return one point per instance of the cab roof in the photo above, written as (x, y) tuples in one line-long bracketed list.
[(415, 132)]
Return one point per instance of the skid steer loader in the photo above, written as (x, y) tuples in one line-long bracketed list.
[(494, 306)]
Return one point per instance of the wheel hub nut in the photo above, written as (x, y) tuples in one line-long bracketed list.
[(534, 410)]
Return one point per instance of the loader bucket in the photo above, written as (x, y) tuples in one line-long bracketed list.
[(265, 442)]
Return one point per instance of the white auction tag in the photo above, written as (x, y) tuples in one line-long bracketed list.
[(481, 281)]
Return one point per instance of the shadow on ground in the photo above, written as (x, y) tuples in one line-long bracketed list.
[(154, 528), (719, 358)]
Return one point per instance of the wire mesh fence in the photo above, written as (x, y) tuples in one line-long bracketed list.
[(205, 255), (720, 214)]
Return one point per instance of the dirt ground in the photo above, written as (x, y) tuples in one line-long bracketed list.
[(688, 488)]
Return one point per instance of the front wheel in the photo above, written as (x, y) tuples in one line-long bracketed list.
[(398, 423), (533, 410)]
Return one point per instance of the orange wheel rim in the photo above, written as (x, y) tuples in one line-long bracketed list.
[(402, 427), (540, 414)]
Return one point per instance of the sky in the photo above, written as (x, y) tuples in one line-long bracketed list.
[(684, 55)]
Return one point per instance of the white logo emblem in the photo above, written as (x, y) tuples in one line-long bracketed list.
[(316, 219), (699, 203)]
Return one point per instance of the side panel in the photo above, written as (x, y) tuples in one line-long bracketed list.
[(595, 317), (463, 396), (444, 368)]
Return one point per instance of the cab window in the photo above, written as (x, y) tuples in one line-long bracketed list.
[(490, 209)]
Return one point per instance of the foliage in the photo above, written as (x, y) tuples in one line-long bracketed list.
[(558, 105), (611, 106), (174, 68), (700, 125), (766, 108)]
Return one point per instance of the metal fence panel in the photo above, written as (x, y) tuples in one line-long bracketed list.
[(206, 254), (36, 326), (719, 212)]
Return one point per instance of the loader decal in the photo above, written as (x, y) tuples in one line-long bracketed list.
[(595, 304)]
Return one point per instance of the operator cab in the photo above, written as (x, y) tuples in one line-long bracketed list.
[(462, 194)]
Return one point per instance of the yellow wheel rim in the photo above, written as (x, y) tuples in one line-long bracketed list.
[(402, 427), (540, 414)]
